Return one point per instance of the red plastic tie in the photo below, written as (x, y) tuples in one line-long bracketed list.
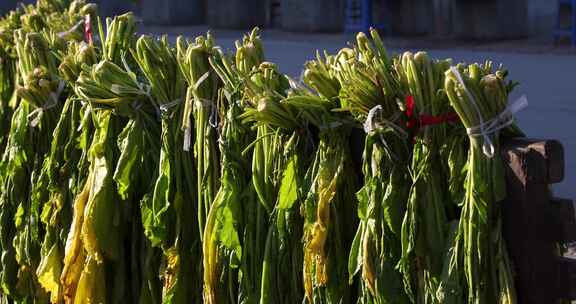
[(414, 122), (88, 29)]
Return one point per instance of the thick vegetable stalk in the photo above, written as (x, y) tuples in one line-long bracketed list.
[(480, 96), (169, 213), (370, 90)]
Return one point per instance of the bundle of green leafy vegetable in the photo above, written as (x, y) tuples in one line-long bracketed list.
[(425, 228), (168, 215), (279, 159), (94, 269), (228, 271), (330, 184), (41, 94), (370, 92), (479, 263), (237, 222)]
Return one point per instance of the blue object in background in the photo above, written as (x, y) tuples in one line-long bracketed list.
[(566, 32), (359, 17)]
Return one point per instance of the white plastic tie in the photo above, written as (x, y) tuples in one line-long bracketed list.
[(206, 103), (486, 128), (187, 137), (369, 124), (167, 106), (213, 120), (74, 28), (201, 80)]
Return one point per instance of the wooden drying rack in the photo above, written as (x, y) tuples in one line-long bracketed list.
[(535, 223)]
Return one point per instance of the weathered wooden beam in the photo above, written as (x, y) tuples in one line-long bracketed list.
[(527, 212), (565, 219), (566, 280), (546, 158)]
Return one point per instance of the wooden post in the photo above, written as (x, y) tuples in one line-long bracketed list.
[(534, 224)]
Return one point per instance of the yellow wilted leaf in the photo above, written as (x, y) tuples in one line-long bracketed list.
[(172, 269), (49, 272), (74, 254), (92, 284), (367, 267)]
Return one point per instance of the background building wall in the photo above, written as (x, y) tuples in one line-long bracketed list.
[(542, 16), (474, 19), (490, 19), (115, 7), (236, 14), (312, 16), (173, 12)]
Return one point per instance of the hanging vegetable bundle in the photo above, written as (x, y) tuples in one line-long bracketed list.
[(330, 183), (139, 171), (370, 91), (480, 96)]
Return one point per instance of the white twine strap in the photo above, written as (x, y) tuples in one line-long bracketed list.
[(212, 120), (167, 106), (486, 128), (74, 28), (200, 102), (370, 123), (206, 103), (187, 137), (201, 80), (54, 100)]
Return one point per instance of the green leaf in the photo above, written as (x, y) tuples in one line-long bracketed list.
[(227, 233), (288, 193), (363, 199), (355, 258), (130, 144)]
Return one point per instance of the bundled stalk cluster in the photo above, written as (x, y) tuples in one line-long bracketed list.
[(137, 171)]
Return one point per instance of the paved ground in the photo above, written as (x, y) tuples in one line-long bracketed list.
[(547, 75)]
